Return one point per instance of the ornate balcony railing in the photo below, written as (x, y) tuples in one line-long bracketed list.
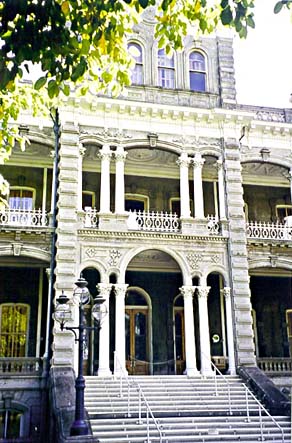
[(23, 217), (269, 231), (20, 365), (213, 225), (275, 364), (155, 221)]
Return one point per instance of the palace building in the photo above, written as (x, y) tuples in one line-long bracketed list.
[(174, 202)]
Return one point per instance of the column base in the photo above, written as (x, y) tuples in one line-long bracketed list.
[(121, 373), (104, 373), (231, 371), (207, 372), (192, 372)]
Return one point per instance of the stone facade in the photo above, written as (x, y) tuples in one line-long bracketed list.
[(174, 204)]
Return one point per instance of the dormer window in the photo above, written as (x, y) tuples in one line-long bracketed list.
[(166, 71), (137, 75), (197, 71)]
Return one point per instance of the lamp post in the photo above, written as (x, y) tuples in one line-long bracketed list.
[(62, 314)]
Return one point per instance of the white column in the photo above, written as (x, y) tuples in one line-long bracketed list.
[(44, 199), (198, 162), (80, 161), (190, 346), (105, 155), (104, 337), (229, 328), (222, 208), (183, 163), (290, 177), (120, 339), (40, 307), (206, 368), (120, 156), (53, 194)]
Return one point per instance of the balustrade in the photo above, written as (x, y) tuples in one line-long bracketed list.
[(276, 365), (269, 231), (23, 365), (23, 217)]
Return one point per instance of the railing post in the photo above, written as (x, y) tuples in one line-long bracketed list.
[(129, 393), (261, 423), (139, 410), (147, 419), (247, 407)]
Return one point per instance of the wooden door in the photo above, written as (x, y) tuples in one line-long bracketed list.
[(179, 333), (289, 328), (137, 353)]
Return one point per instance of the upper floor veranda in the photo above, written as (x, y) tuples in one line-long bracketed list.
[(160, 175)]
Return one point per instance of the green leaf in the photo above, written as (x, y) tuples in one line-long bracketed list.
[(143, 3), (40, 83), (85, 46), (250, 21), (226, 16), (53, 89), (79, 70), (278, 7)]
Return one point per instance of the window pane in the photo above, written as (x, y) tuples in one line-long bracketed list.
[(166, 78), (197, 62), (137, 72), (13, 333), (197, 81), (164, 60), (21, 199), (140, 336)]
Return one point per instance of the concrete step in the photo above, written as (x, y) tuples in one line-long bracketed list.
[(187, 409)]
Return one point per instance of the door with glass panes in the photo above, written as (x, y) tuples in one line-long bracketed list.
[(137, 346)]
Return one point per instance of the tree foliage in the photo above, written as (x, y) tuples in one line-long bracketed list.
[(74, 39)]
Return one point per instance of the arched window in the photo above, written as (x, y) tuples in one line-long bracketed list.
[(197, 70), (14, 320), (166, 71), (137, 74)]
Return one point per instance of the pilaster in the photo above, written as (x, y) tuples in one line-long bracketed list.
[(67, 223), (237, 248)]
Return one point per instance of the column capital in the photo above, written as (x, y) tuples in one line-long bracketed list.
[(104, 289), (219, 164), (187, 291), (183, 160), (82, 150), (198, 161), (105, 153), (120, 289), (226, 292), (120, 154), (48, 272), (203, 291)]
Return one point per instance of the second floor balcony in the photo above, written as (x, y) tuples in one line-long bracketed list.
[(23, 218)]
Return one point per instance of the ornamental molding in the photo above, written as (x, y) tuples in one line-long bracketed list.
[(109, 135), (194, 260), (114, 257)]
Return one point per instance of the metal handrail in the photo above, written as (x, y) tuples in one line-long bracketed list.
[(124, 375), (226, 381), (248, 392), (262, 408)]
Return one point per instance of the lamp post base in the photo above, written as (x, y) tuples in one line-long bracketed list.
[(79, 427)]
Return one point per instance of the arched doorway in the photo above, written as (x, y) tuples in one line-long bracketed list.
[(138, 332), (179, 335), (91, 343), (156, 277)]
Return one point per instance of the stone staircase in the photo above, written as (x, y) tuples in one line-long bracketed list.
[(185, 409)]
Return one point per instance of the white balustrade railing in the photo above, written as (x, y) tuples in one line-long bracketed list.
[(154, 221), (269, 231), (274, 364), (213, 225), (23, 217), (90, 218), (23, 365)]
